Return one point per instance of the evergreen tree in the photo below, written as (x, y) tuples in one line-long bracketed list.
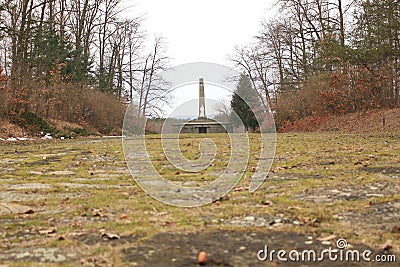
[(376, 42), (244, 103), (52, 52)]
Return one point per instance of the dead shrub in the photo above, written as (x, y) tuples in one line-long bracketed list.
[(302, 102)]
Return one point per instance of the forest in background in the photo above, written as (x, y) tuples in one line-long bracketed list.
[(324, 58), (82, 61), (78, 61)]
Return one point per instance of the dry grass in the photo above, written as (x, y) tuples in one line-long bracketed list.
[(307, 168)]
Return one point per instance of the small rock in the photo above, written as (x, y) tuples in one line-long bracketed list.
[(202, 258), (326, 243), (250, 218), (276, 221), (295, 222), (123, 216), (12, 208), (308, 242), (242, 248)]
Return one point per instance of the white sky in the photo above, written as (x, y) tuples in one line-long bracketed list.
[(201, 31)]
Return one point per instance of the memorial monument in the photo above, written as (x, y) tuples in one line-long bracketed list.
[(202, 124)]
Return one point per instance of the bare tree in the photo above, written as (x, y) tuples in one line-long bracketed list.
[(223, 109), (256, 64), (153, 88), (86, 42), (134, 43)]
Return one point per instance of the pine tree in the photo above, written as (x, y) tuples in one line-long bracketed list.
[(51, 51), (377, 45), (244, 103)]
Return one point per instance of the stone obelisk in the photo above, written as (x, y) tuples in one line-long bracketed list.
[(202, 103)]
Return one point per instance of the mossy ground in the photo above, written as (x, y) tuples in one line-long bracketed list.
[(332, 184)]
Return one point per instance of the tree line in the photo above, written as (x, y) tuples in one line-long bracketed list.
[(82, 60), (77, 60), (321, 57)]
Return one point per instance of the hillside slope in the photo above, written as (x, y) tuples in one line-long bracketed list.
[(387, 120)]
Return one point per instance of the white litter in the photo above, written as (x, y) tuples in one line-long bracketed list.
[(47, 136), (23, 139)]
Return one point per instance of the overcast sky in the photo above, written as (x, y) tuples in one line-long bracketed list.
[(201, 31), (204, 31)]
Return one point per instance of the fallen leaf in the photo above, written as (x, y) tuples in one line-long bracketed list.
[(387, 246), (366, 163), (242, 188), (396, 229), (168, 223), (47, 231), (266, 203), (110, 236), (326, 238)]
